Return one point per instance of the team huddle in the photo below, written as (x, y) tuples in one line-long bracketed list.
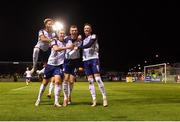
[(65, 58)]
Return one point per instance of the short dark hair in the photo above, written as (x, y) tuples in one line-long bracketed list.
[(87, 24), (73, 26)]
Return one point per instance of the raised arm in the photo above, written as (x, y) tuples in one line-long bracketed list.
[(58, 48), (91, 42)]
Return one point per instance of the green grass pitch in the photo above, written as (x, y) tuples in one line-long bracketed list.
[(127, 101)]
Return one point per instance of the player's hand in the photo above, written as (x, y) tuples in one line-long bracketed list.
[(79, 38), (50, 40), (75, 48), (71, 46)]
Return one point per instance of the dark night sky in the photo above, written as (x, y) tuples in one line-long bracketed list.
[(129, 32)]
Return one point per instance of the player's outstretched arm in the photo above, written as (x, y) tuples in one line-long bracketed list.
[(91, 42), (57, 48), (45, 39)]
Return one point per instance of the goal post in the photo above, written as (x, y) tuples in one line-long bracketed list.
[(157, 72)]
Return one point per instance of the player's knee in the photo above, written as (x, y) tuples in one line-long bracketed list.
[(71, 82), (98, 79), (91, 80), (57, 82), (36, 50), (97, 75), (72, 79), (66, 77), (45, 82)]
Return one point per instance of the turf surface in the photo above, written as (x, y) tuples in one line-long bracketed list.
[(127, 101)]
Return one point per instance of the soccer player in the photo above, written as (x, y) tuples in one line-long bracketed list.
[(54, 68), (71, 63), (28, 76), (91, 63), (46, 35)]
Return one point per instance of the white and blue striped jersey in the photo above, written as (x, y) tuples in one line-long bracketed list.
[(44, 45), (56, 58), (71, 53), (93, 51)]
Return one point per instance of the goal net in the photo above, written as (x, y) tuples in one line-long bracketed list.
[(157, 72)]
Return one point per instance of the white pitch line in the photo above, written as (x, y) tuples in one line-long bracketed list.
[(19, 88)]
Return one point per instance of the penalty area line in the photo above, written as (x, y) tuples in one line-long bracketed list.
[(19, 88)]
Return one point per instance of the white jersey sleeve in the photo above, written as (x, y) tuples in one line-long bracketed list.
[(54, 42), (44, 45), (68, 43), (41, 33), (74, 54), (56, 58), (93, 51)]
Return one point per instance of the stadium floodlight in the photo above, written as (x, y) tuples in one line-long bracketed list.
[(157, 55), (58, 26)]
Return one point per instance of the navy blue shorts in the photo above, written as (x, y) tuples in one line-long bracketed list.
[(50, 71), (91, 67), (28, 78), (71, 65)]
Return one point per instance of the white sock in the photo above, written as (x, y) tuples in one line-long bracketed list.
[(92, 88), (70, 88), (51, 85), (41, 91), (101, 86), (57, 90), (42, 71), (35, 56), (65, 89)]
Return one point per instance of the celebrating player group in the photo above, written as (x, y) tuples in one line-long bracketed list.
[(65, 58)]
